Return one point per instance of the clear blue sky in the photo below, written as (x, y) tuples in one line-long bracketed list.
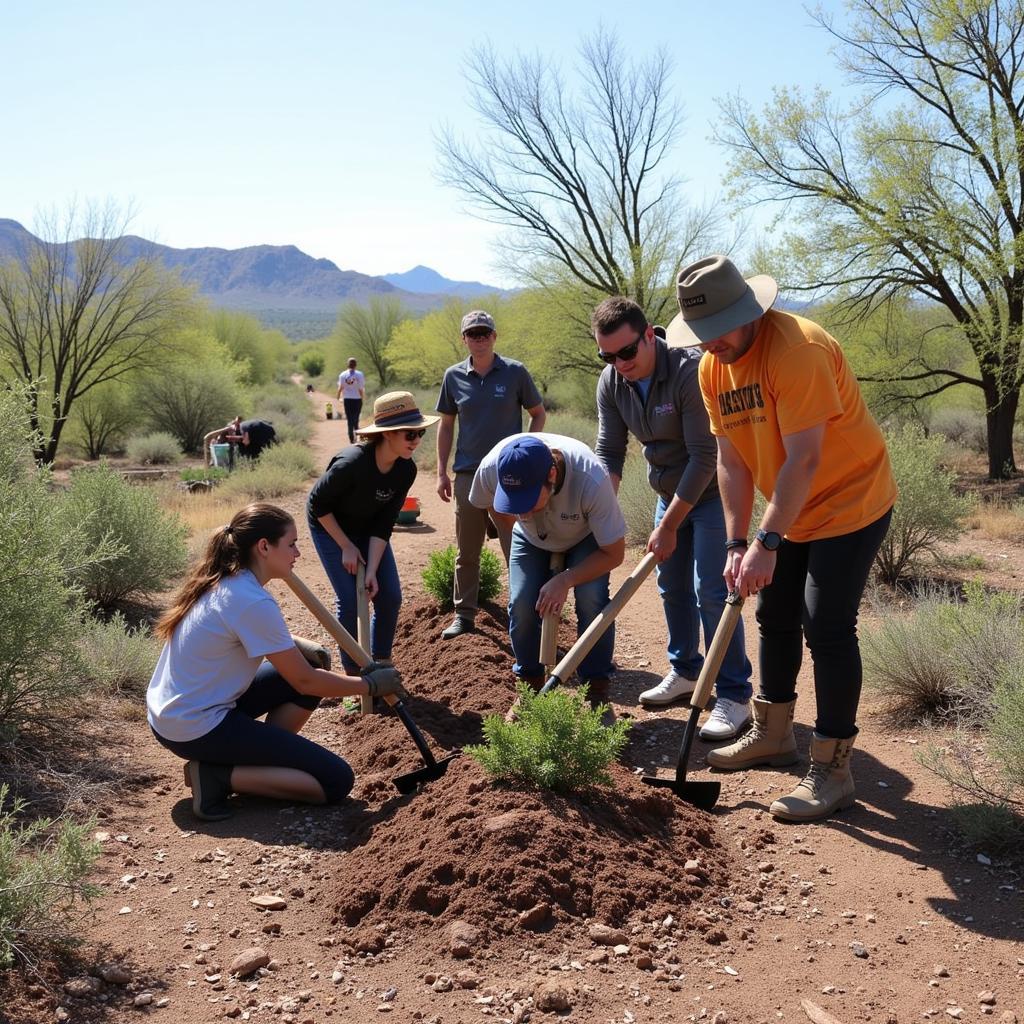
[(312, 123)]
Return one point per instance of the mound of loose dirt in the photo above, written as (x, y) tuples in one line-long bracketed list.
[(467, 849)]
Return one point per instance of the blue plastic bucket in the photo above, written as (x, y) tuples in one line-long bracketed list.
[(221, 454)]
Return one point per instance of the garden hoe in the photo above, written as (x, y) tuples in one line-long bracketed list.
[(433, 769), (702, 794), (579, 650)]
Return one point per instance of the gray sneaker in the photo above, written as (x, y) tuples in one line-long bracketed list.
[(460, 624)]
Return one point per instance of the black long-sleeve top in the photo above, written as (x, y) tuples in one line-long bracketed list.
[(365, 501)]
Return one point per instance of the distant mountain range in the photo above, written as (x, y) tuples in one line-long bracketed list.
[(281, 278)]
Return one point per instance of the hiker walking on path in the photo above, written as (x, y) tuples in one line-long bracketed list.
[(351, 391), (486, 393), (228, 659), (352, 509), (652, 391), (553, 494), (790, 419)]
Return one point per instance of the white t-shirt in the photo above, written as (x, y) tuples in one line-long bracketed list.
[(352, 383), (585, 504), (212, 657)]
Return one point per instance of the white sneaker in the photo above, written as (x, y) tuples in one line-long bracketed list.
[(671, 688), (728, 718)]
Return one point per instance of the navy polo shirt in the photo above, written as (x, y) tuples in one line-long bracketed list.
[(489, 408)]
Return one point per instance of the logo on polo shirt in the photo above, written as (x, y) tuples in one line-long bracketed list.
[(383, 495), (499, 389), (664, 410), (570, 515)]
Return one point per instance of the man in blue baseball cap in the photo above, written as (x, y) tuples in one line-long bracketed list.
[(555, 495)]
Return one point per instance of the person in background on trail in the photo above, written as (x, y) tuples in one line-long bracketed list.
[(486, 393), (790, 419), (253, 437), (352, 390), (651, 391), (553, 494), (352, 510), (219, 436), (228, 659)]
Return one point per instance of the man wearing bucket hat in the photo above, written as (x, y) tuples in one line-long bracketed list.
[(486, 393), (790, 419), (651, 391), (559, 498), (352, 509)]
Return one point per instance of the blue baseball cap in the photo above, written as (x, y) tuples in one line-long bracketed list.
[(523, 468)]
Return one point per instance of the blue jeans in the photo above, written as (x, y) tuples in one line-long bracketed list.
[(693, 591), (385, 605), (528, 571)]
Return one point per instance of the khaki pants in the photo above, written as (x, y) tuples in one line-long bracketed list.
[(470, 532)]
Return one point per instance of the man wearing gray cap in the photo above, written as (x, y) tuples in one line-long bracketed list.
[(486, 393), (790, 420)]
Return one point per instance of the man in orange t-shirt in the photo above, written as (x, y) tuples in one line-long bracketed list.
[(789, 418)]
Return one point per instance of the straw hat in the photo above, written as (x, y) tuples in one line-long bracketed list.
[(714, 299), (397, 410)]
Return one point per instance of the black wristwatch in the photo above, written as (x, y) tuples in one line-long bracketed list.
[(769, 541), (739, 542)]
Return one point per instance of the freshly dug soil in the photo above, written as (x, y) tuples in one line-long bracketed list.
[(466, 848)]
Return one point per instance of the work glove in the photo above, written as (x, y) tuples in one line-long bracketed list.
[(316, 654), (383, 681)]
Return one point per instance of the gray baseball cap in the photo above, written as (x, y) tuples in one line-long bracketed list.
[(477, 318)]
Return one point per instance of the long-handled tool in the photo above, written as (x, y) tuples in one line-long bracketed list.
[(549, 624), (434, 768), (579, 650), (363, 628), (702, 794)]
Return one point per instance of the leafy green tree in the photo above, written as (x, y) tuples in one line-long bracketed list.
[(104, 417), (76, 311), (258, 350), (364, 332), (915, 187)]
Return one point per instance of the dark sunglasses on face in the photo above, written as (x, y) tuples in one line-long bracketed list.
[(625, 353), (480, 335), (414, 435)]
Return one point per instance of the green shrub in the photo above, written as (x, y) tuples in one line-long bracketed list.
[(156, 449), (287, 407), (312, 363), (215, 473), (927, 510), (151, 544), (964, 427), (290, 457), (570, 424), (103, 418), (942, 661), (439, 575), (557, 742), (117, 658), (261, 481), (43, 867), (636, 499)]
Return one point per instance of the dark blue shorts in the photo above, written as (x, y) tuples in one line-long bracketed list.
[(242, 739)]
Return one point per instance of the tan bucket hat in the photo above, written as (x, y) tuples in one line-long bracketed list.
[(715, 299), (397, 410)]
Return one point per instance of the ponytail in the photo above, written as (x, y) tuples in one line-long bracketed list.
[(228, 551)]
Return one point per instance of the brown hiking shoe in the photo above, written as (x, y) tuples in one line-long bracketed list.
[(770, 740), (827, 786)]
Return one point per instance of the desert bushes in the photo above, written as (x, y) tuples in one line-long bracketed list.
[(156, 449), (439, 575), (116, 658)]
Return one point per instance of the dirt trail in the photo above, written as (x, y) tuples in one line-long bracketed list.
[(878, 915)]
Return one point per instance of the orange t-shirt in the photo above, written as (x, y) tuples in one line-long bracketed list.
[(794, 377)]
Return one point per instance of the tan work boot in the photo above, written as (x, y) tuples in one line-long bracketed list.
[(827, 787), (770, 739)]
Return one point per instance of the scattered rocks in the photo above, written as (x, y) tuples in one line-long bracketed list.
[(467, 979), (114, 974), (142, 999), (858, 950), (81, 988), (554, 996), (535, 916), (269, 902), (940, 971), (463, 938), (249, 960), (604, 935), (987, 998), (715, 937), (644, 962)]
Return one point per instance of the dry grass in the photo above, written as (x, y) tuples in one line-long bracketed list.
[(200, 512), (999, 520)]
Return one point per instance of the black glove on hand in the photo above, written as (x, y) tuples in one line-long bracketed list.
[(383, 681), (316, 654)]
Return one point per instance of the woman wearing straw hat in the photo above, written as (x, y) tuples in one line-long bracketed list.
[(352, 510)]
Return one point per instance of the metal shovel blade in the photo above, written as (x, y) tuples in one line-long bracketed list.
[(411, 781), (701, 794)]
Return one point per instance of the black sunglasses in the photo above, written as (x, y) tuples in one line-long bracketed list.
[(414, 435), (625, 353), (479, 335)]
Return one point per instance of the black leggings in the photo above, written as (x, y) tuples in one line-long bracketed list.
[(353, 407), (815, 593), (240, 739)]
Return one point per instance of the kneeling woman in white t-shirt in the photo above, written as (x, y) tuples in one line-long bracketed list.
[(212, 684)]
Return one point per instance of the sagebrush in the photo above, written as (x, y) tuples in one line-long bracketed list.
[(439, 575), (116, 658), (557, 742), (156, 449)]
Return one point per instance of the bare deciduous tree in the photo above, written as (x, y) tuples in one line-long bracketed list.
[(366, 330)]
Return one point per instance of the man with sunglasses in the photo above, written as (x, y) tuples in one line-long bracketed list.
[(486, 394), (652, 392)]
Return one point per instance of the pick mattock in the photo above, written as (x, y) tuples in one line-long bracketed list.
[(579, 650), (433, 769), (702, 794)]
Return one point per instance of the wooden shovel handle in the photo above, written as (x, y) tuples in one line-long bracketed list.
[(363, 627), (549, 624), (716, 652), (592, 633)]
